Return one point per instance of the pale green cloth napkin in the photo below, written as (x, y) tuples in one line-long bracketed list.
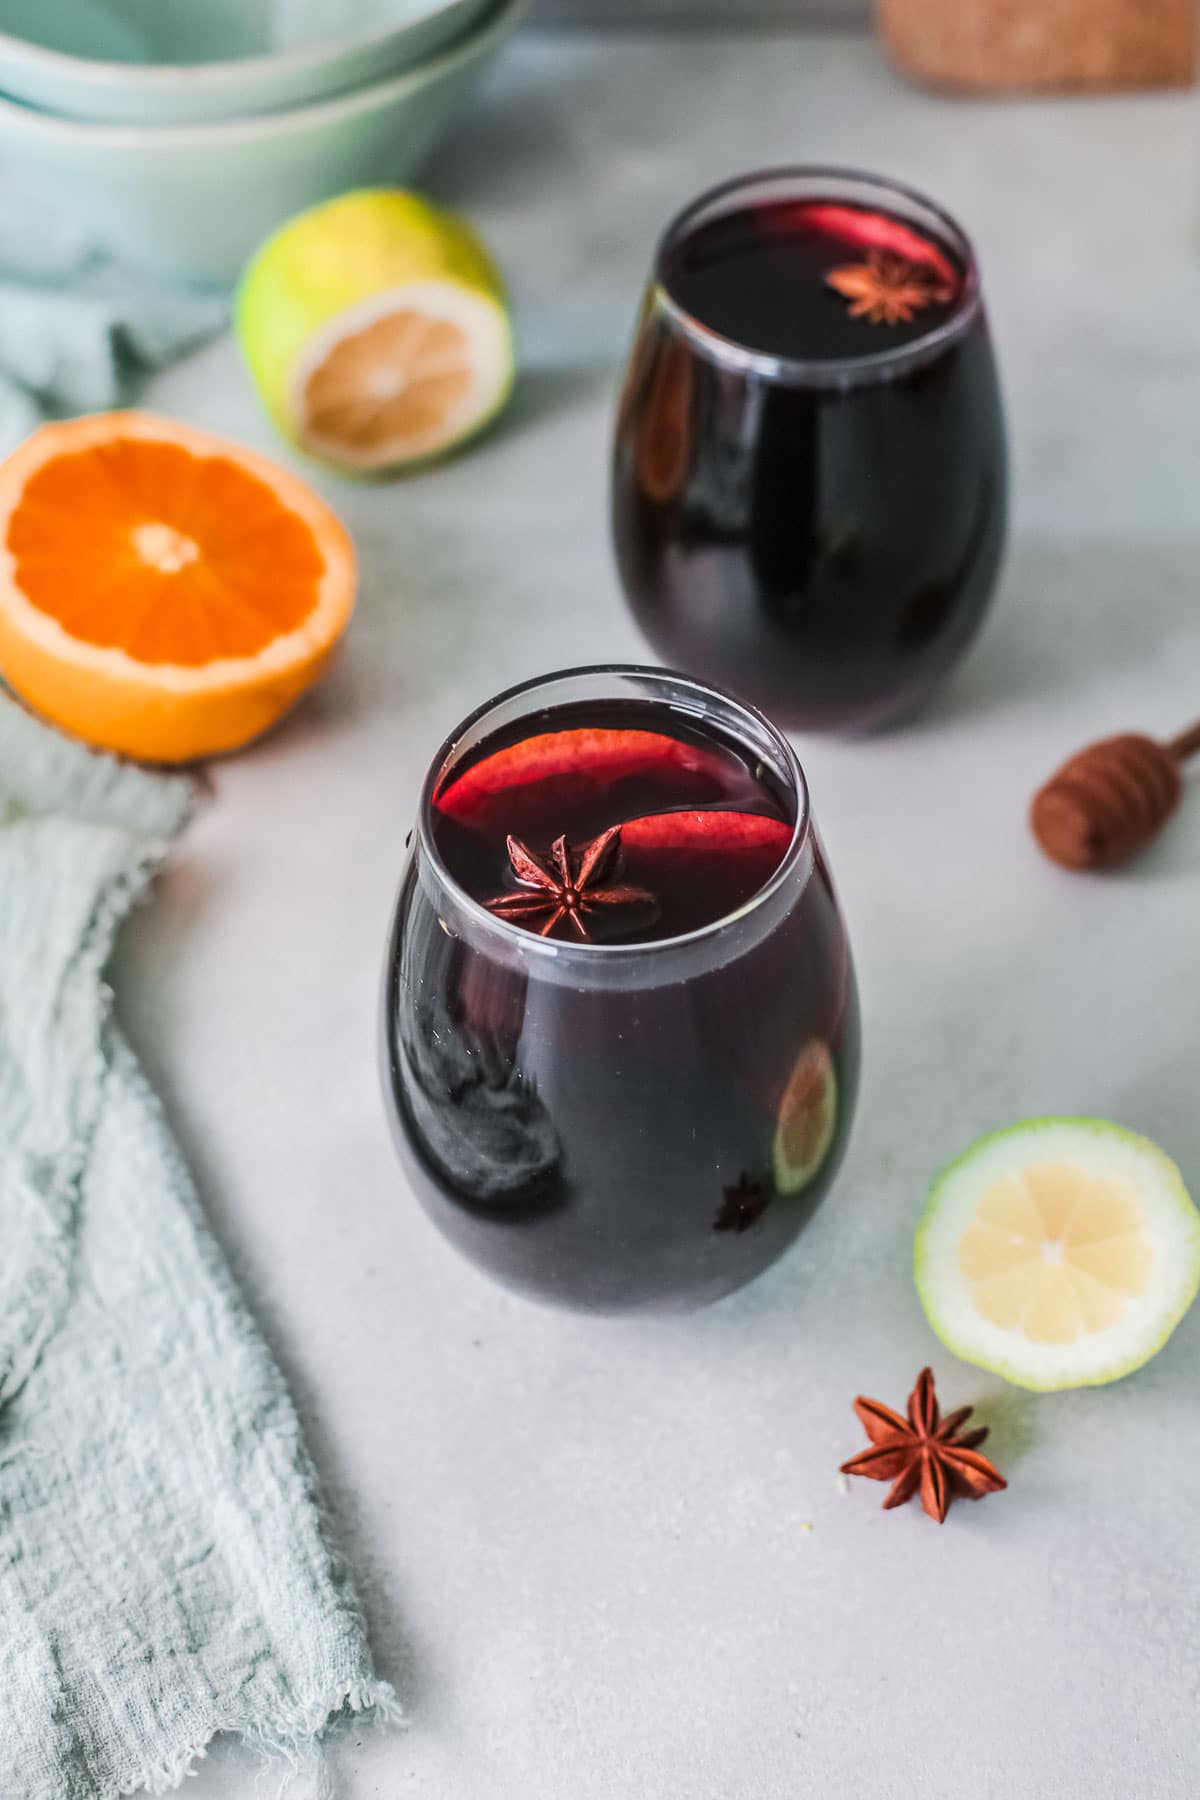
[(164, 1570), (78, 333)]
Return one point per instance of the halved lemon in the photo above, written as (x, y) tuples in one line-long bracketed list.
[(1059, 1253), (376, 329), (807, 1119), (163, 593)]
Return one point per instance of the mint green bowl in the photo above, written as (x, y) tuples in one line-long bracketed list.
[(193, 201), (175, 62)]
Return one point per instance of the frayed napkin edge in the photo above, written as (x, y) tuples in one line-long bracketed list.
[(300, 1740)]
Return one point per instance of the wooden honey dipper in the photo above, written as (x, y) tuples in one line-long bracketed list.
[(1109, 801)]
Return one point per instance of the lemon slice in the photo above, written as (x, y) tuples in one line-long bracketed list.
[(376, 329), (1059, 1253), (807, 1119)]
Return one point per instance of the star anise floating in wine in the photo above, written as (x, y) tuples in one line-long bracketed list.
[(742, 1205), (888, 289), (568, 885), (924, 1453)]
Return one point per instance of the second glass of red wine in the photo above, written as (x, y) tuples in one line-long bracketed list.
[(620, 1025), (809, 473)]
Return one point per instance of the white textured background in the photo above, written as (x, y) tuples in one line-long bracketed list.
[(583, 1544)]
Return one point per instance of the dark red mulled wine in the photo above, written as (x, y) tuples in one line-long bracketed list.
[(621, 1031), (809, 468), (670, 831)]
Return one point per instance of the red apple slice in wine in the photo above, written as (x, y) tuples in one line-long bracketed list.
[(701, 866), (594, 777), (876, 231)]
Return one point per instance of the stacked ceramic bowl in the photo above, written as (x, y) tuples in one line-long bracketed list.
[(182, 131)]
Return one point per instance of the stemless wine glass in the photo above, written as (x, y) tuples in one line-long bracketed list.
[(809, 474), (620, 1126)]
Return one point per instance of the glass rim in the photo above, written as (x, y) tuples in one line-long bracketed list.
[(556, 948), (817, 371)]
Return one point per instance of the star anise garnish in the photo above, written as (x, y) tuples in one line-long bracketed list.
[(742, 1206), (924, 1452), (888, 289), (568, 884)]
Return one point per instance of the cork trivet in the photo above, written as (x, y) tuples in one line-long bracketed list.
[(1012, 44)]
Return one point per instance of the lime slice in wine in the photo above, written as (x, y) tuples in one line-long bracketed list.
[(807, 1119)]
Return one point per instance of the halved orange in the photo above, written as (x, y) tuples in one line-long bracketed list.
[(163, 593), (664, 437)]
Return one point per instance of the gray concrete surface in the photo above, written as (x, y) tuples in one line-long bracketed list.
[(610, 1561)]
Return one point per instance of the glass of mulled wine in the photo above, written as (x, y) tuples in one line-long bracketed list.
[(809, 472), (620, 1025)]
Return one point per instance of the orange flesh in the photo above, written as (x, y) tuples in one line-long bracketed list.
[(1056, 1253), (396, 379), (144, 547)]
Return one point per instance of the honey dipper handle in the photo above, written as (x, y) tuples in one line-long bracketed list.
[(1186, 744)]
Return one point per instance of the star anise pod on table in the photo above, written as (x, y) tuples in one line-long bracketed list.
[(924, 1453), (566, 886), (887, 289)]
